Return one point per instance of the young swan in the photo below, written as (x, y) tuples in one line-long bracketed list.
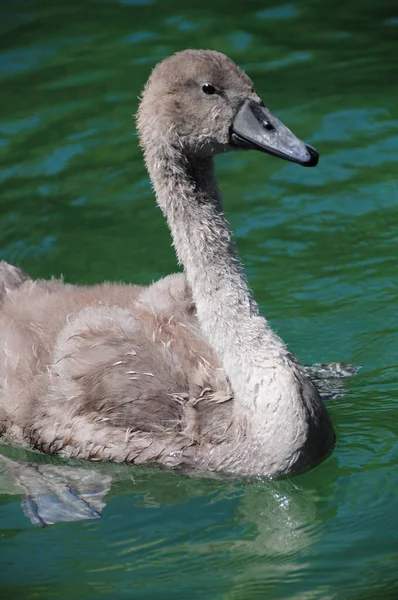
[(185, 372)]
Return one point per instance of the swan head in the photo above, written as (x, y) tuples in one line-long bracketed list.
[(201, 103)]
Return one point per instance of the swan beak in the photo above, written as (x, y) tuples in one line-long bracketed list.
[(255, 127)]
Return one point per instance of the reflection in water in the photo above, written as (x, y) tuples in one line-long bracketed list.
[(259, 519), (234, 525), (55, 493)]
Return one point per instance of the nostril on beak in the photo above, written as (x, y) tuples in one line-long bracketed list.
[(267, 125)]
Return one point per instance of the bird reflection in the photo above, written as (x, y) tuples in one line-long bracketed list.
[(54, 493)]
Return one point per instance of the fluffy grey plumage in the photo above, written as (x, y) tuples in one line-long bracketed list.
[(185, 372)]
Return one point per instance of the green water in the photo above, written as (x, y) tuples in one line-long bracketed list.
[(320, 246)]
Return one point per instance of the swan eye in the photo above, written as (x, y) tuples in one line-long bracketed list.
[(207, 88)]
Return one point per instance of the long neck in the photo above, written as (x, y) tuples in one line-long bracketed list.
[(227, 312)]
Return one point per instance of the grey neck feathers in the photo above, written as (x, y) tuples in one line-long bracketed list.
[(249, 351)]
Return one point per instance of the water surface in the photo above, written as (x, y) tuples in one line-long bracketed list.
[(320, 246)]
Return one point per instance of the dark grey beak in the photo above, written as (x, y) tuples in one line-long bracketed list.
[(254, 126)]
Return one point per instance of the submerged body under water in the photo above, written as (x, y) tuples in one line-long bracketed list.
[(320, 251)]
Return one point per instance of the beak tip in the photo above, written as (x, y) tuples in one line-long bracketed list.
[(314, 157)]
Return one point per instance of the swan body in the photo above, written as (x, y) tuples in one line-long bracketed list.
[(185, 372)]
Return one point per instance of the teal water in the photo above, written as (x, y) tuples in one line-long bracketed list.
[(320, 247)]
